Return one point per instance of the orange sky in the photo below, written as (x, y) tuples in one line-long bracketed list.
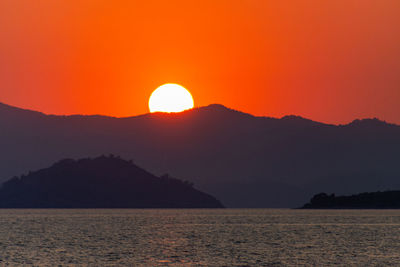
[(330, 61)]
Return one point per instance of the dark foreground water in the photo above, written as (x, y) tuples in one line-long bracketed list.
[(231, 237)]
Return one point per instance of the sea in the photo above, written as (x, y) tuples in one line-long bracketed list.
[(199, 237)]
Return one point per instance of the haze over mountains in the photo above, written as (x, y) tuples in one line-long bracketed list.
[(242, 160)]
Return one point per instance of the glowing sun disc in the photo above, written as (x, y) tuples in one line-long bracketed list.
[(170, 97)]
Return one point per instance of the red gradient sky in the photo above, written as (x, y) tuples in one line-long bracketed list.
[(331, 61)]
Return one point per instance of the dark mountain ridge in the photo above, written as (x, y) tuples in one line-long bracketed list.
[(103, 182), (245, 161)]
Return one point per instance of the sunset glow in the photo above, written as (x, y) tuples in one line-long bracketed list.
[(330, 61)]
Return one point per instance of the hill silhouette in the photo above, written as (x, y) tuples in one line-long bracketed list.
[(370, 200), (103, 182), (243, 160)]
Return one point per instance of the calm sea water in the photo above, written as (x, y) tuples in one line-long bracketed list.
[(230, 237)]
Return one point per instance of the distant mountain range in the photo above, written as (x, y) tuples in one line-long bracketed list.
[(103, 182), (370, 200), (243, 160)]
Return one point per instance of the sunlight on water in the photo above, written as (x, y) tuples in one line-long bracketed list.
[(231, 237)]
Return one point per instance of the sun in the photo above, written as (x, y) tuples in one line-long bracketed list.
[(170, 97)]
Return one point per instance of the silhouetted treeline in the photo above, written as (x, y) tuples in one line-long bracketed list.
[(372, 200), (103, 182)]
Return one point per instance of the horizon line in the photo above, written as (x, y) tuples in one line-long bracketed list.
[(190, 110)]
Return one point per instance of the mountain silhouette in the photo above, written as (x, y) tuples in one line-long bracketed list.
[(370, 200), (243, 160), (103, 182)]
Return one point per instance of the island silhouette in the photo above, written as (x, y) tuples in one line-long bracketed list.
[(241, 159), (102, 182), (368, 200)]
